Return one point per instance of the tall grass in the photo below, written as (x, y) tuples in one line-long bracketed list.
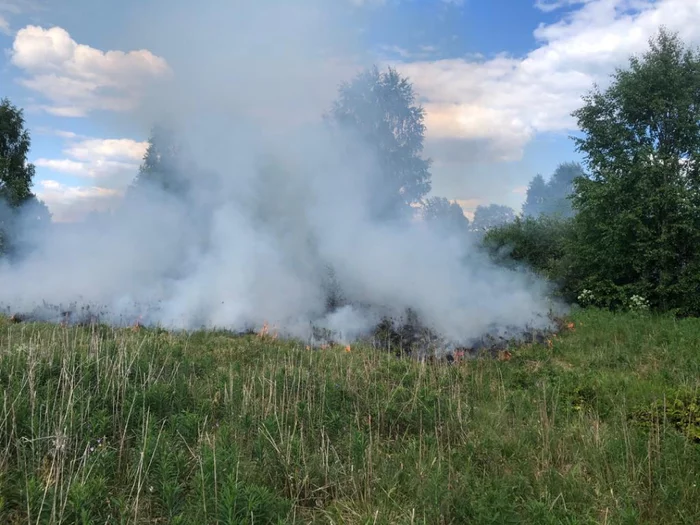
[(119, 426)]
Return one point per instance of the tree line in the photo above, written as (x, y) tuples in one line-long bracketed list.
[(625, 223)]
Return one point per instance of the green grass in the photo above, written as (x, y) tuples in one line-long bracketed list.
[(116, 426)]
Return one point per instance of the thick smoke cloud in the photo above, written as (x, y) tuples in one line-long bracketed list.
[(276, 200)]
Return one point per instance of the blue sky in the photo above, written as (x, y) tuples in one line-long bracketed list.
[(498, 78)]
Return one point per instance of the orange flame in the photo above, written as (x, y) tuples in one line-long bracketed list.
[(505, 355), (347, 348)]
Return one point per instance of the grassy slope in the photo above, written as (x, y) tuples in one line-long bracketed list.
[(207, 427)]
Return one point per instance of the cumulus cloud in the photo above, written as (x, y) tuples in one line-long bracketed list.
[(504, 101), (99, 158), (111, 164), (91, 150), (76, 79), (70, 203)]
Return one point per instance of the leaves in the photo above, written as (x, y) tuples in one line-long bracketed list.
[(16, 176), (15, 172), (445, 216), (491, 216), (379, 108), (638, 224), (553, 197)]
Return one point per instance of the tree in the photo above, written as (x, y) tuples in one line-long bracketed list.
[(560, 188), (536, 197), (553, 197), (638, 222), (539, 243), (19, 208), (163, 164), (380, 109), (487, 217), (15, 172), (444, 215)]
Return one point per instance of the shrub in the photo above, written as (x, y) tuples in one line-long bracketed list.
[(538, 243)]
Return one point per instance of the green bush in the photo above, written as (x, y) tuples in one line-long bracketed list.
[(540, 244)]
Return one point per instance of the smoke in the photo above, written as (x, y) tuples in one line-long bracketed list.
[(276, 201)]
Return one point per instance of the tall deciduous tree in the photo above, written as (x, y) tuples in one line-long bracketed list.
[(638, 225), (446, 216), (491, 216), (15, 172), (19, 207), (553, 197), (380, 108)]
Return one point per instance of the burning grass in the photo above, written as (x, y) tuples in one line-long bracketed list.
[(405, 336), (105, 425)]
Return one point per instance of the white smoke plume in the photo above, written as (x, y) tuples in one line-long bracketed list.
[(277, 200)]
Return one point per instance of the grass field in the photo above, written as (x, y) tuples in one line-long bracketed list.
[(120, 426)]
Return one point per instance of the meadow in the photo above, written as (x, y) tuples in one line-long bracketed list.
[(600, 424)]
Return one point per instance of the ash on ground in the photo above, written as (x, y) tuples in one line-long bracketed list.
[(403, 336), (407, 336)]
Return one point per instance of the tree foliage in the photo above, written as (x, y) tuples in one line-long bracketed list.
[(19, 207), (540, 243), (491, 216), (15, 172), (445, 216), (163, 164), (637, 230), (553, 197), (380, 108)]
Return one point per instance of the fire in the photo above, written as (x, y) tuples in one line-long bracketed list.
[(137, 325), (263, 331), (505, 355), (347, 348)]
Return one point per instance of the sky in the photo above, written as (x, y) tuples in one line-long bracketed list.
[(498, 79)]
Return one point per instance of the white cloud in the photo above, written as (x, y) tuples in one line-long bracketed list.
[(110, 163), (96, 149), (9, 8), (4, 25), (506, 100), (468, 206), (66, 134), (44, 130), (552, 5), (76, 79), (114, 161), (62, 166), (69, 203)]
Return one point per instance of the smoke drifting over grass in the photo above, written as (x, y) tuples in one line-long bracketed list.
[(275, 200)]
